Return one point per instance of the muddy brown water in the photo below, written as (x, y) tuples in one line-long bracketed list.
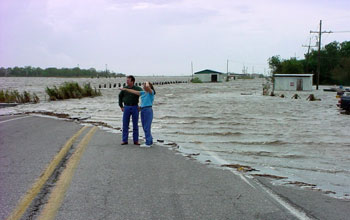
[(304, 141)]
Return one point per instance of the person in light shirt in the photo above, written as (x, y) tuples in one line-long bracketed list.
[(147, 98)]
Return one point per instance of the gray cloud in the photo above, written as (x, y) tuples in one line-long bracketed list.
[(160, 37)]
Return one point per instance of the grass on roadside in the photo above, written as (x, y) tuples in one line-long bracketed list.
[(71, 90), (7, 96), (196, 80)]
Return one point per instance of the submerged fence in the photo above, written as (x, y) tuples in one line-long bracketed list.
[(115, 85)]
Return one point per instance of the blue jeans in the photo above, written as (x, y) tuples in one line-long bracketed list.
[(134, 112), (146, 119)]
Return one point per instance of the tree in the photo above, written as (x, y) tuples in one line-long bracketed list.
[(345, 49), (341, 74), (334, 63), (292, 66), (53, 72), (3, 71), (275, 64)]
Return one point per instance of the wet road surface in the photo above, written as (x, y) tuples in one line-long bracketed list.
[(100, 179)]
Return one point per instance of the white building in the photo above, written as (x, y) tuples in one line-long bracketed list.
[(210, 76), (293, 82)]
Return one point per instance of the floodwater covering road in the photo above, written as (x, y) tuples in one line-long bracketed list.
[(306, 142)]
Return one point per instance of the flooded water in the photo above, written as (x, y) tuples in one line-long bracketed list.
[(304, 141)]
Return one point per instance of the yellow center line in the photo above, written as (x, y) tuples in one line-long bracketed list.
[(36, 187), (58, 193)]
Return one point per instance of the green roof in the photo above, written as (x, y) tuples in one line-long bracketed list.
[(207, 71)]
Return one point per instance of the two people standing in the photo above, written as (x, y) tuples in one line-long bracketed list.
[(128, 102)]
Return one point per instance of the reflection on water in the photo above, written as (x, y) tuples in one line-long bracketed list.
[(304, 141)]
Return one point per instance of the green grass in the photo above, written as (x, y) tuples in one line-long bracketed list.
[(7, 96), (196, 80), (246, 77), (71, 90)]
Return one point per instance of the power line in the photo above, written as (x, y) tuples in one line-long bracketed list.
[(308, 54), (340, 31), (320, 32)]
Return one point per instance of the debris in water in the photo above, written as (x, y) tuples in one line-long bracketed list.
[(239, 167), (66, 116), (270, 176), (312, 98), (302, 184), (246, 93), (171, 143), (191, 155), (58, 115), (295, 96), (80, 118)]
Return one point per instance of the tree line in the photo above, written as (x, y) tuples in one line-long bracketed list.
[(334, 63), (29, 71)]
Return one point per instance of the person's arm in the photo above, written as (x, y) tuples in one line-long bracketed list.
[(121, 95), (148, 88), (131, 91)]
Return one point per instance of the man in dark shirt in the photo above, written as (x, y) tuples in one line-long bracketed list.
[(128, 103)]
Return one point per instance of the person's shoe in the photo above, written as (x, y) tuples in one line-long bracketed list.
[(145, 145), (124, 143), (136, 143)]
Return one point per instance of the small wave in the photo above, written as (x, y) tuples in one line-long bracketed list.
[(331, 171), (231, 123), (180, 122), (208, 118), (209, 133), (269, 154), (254, 142)]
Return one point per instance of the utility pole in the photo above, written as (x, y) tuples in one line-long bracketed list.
[(227, 72), (320, 32), (192, 69), (308, 54)]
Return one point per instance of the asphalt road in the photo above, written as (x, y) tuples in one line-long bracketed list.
[(100, 179)]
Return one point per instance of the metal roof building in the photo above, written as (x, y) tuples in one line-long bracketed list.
[(210, 76), (293, 82)]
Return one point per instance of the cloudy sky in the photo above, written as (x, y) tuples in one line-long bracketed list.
[(162, 37)]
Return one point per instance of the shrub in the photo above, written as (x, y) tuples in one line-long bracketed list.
[(71, 90), (16, 97), (196, 80)]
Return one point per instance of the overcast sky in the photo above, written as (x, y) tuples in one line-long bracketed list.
[(162, 37)]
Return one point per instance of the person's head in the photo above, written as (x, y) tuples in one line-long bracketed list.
[(130, 80), (150, 85)]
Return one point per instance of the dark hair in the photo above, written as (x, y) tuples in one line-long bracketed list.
[(151, 85), (131, 77)]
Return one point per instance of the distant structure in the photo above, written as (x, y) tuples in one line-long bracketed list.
[(234, 76), (293, 82), (210, 76)]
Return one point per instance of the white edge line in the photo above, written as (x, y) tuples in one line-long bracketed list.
[(294, 211), (222, 161), (13, 119)]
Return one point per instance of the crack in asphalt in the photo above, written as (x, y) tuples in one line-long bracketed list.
[(41, 199)]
